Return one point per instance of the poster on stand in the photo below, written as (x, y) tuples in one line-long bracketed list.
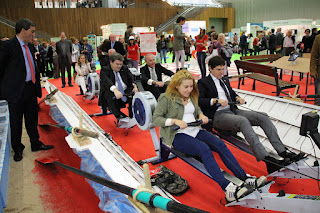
[(148, 43)]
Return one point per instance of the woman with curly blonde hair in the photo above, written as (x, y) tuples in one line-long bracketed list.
[(179, 106)]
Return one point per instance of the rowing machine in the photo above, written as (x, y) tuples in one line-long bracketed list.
[(93, 84), (296, 170), (144, 104)]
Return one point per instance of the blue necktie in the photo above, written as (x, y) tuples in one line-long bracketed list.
[(112, 44), (124, 98)]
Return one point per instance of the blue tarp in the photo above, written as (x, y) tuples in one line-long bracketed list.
[(110, 200)]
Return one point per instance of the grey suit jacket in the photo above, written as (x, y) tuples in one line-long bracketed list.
[(68, 48)]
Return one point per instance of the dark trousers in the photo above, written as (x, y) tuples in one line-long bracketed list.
[(256, 50), (156, 91), (201, 56), (244, 50), (272, 50), (317, 91), (243, 121), (26, 106), (203, 145), (116, 104), (288, 50), (56, 73), (49, 68), (188, 56), (63, 65)]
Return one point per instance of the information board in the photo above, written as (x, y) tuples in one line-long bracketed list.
[(148, 43)]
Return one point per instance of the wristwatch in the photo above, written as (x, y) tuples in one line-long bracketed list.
[(217, 100)]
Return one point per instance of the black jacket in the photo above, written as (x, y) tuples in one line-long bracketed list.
[(145, 74), (118, 46), (108, 79), (272, 41), (13, 70), (207, 91)]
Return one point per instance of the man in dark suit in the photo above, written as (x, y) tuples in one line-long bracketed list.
[(117, 45), (116, 80), (64, 51), (20, 86), (279, 41), (215, 89), (151, 76), (40, 53), (243, 44), (272, 42)]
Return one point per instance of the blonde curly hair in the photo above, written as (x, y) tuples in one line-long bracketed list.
[(172, 91)]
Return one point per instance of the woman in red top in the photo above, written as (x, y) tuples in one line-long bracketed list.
[(133, 52), (201, 42)]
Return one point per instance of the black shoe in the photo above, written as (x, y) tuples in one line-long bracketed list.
[(18, 153), (63, 86), (293, 156), (70, 85), (40, 146), (274, 164), (17, 156)]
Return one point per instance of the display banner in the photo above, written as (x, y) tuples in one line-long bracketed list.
[(148, 43)]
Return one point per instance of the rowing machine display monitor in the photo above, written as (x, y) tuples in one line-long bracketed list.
[(309, 126)]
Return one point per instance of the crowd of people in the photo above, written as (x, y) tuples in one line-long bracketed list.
[(180, 100), (276, 42)]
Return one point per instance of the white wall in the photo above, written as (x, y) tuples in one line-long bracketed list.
[(257, 11)]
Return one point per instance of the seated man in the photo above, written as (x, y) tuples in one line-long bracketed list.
[(151, 76), (116, 80), (216, 89)]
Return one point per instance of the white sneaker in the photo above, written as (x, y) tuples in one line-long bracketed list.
[(255, 182), (234, 192)]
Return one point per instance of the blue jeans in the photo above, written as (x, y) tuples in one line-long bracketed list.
[(203, 145), (201, 56), (163, 54), (135, 64)]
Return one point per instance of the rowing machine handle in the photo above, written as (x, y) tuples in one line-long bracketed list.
[(230, 103), (235, 103), (87, 133), (128, 95), (196, 123)]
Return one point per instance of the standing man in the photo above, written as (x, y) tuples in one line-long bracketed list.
[(20, 86), (40, 59), (315, 67), (178, 39), (114, 44), (64, 51), (279, 41), (210, 32), (127, 34), (272, 42), (151, 76), (243, 44)]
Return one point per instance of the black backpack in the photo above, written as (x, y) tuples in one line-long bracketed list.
[(170, 181)]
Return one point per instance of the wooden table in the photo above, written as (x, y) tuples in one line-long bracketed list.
[(301, 65)]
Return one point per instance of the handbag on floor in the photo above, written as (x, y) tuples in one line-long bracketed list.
[(169, 181)]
